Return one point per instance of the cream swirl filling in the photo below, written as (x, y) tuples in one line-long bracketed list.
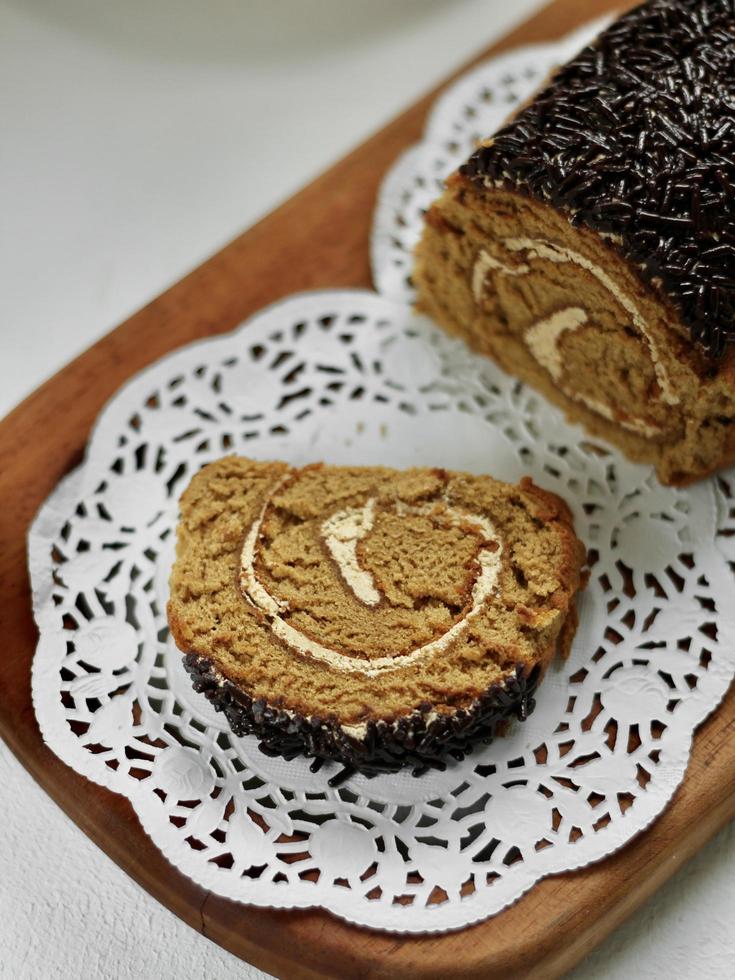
[(543, 337), (341, 533), (487, 263)]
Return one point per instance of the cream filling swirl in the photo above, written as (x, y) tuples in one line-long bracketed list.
[(542, 338), (341, 533)]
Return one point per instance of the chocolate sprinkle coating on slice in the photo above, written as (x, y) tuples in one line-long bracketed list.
[(387, 746), (635, 138)]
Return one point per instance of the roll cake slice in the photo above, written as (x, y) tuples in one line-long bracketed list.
[(378, 618), (589, 246)]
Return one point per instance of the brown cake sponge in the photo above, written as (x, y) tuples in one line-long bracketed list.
[(589, 246), (374, 617)]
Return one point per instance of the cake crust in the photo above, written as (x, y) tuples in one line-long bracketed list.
[(471, 285), (635, 139), (474, 586), (589, 246), (417, 742)]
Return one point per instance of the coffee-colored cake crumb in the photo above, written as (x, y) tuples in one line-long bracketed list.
[(575, 246), (367, 594)]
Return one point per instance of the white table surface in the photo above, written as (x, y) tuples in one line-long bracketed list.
[(136, 139)]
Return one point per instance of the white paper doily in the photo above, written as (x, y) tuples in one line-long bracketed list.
[(348, 377), (351, 377)]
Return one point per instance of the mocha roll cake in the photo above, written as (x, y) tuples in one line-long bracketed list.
[(378, 618), (589, 246)]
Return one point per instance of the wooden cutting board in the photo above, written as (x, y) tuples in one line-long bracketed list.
[(317, 239)]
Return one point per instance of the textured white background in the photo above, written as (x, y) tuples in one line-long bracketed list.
[(136, 139)]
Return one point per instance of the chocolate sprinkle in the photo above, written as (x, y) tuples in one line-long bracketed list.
[(635, 138), (388, 746)]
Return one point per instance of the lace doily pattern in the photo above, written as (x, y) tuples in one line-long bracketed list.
[(352, 377)]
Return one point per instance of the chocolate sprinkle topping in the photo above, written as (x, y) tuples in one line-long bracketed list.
[(635, 137), (387, 746)]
